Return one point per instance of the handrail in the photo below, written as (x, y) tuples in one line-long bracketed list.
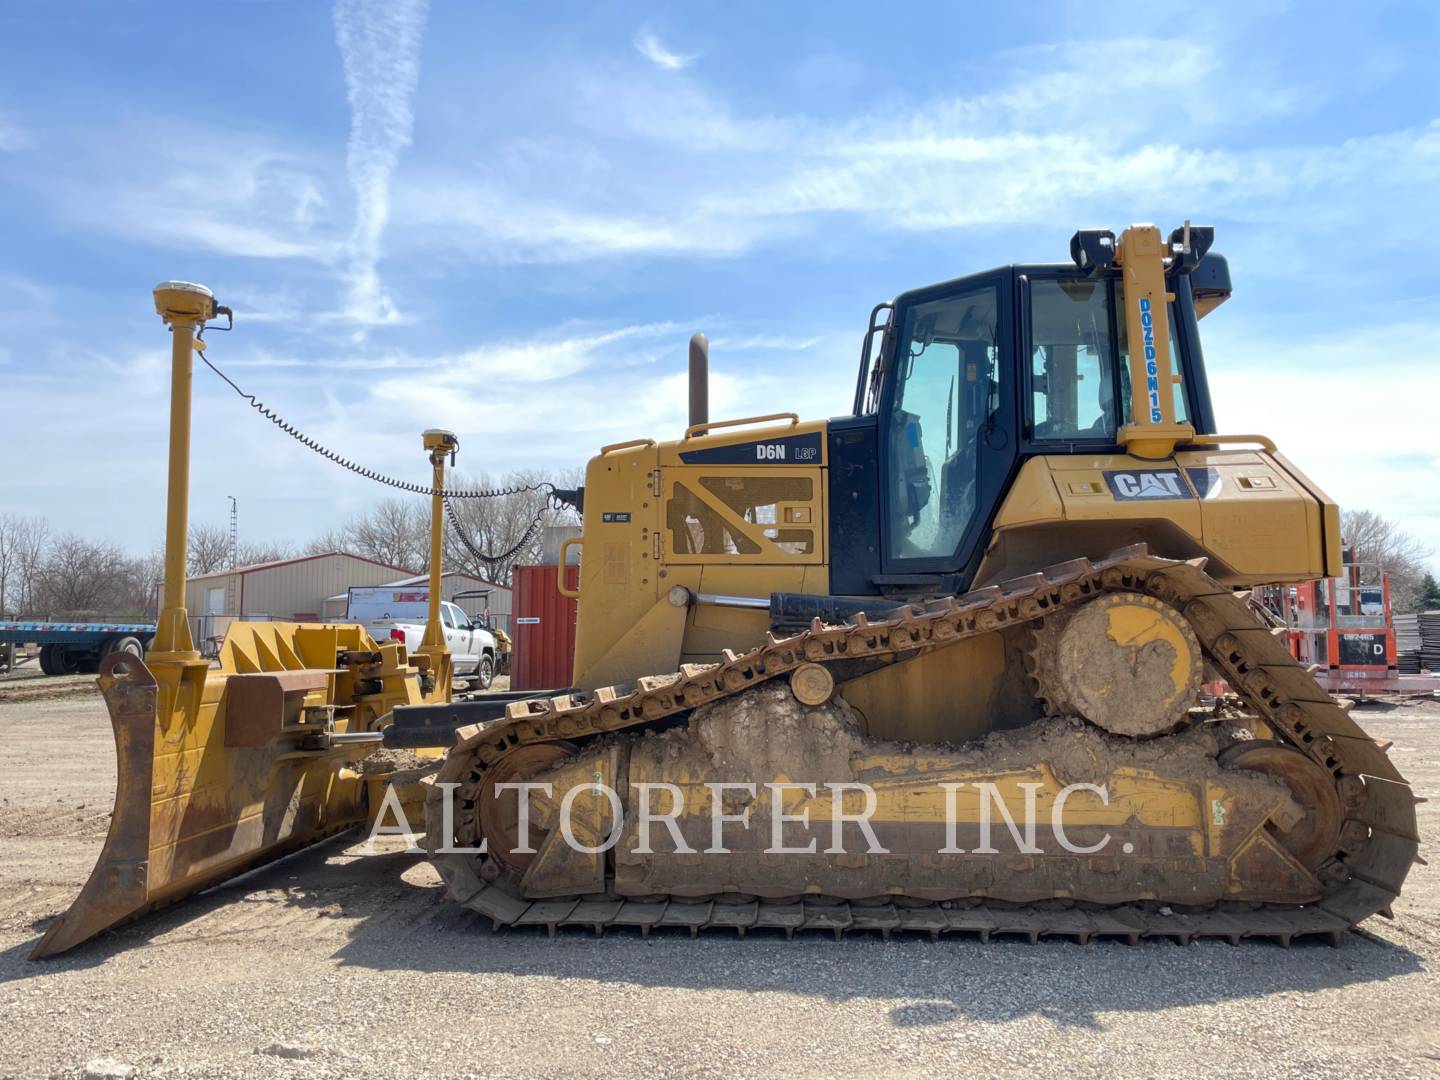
[(1221, 440), (625, 445), (794, 419), (565, 591)]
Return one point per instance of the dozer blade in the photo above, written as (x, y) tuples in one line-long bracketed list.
[(194, 804)]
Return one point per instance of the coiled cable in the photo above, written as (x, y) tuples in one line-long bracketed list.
[(370, 474)]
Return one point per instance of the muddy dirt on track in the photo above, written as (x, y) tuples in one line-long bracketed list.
[(333, 963)]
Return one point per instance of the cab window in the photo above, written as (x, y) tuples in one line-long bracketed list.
[(1073, 361), (946, 395), (1079, 374)]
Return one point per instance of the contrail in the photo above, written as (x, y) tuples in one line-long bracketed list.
[(380, 45)]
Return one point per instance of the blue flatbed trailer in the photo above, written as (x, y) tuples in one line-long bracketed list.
[(70, 647)]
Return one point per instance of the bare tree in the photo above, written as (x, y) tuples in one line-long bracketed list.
[(502, 532), (19, 539), (80, 578), (1381, 542), (395, 532), (328, 541), (253, 552), (9, 562), (30, 546), (207, 549), (148, 574), (76, 577)]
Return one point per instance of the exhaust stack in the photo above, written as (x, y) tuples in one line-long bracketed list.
[(699, 379)]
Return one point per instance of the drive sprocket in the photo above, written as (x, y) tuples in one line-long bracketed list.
[(1127, 662)]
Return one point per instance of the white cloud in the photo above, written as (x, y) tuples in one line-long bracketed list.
[(650, 47), (1352, 408), (12, 136), (379, 42), (243, 241), (765, 343), (483, 368), (228, 192), (487, 221), (21, 295), (659, 164), (928, 172), (556, 400), (672, 111), (644, 161)]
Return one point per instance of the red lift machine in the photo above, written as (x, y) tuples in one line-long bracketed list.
[(1342, 626)]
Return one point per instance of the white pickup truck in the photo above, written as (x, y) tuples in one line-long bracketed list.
[(390, 614)]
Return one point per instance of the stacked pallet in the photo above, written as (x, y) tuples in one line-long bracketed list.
[(1407, 644), (1430, 640)]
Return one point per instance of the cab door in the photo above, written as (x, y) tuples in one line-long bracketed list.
[(947, 418)]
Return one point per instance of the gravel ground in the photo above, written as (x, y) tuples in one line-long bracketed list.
[(334, 964)]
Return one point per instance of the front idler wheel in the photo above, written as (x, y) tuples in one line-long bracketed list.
[(1315, 836)]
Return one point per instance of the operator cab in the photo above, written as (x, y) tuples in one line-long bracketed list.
[(965, 380)]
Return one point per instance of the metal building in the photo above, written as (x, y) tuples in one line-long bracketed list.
[(474, 595), (289, 589)]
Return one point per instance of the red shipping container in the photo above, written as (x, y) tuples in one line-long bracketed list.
[(543, 628)]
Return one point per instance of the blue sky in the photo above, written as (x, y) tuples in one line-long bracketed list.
[(508, 219)]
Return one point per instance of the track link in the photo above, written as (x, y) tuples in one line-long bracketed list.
[(1377, 844)]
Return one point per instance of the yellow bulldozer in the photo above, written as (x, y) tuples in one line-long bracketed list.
[(933, 667)]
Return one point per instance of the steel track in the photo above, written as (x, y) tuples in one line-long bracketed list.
[(1377, 842)]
